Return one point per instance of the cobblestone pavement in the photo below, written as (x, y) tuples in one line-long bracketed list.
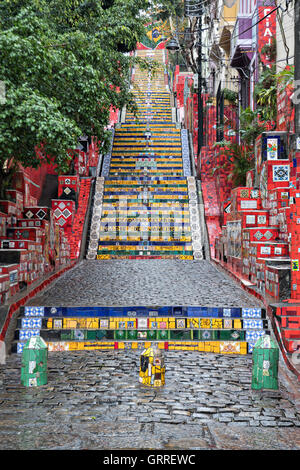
[(93, 400), (145, 282)]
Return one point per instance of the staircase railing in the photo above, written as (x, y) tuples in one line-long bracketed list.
[(87, 223), (203, 226)]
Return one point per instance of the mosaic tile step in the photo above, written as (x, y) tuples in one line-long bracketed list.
[(148, 126), (145, 179), (149, 311), (144, 256), (153, 150), (154, 231), (157, 112), (147, 159), (146, 135), (153, 183), (161, 104), (139, 151), (217, 347), (141, 131), (136, 229), (165, 208), (143, 117), (149, 171), (138, 186), (142, 197), (154, 121), (162, 108), (220, 325), (153, 240), (80, 334), (97, 327), (156, 117), (147, 142)]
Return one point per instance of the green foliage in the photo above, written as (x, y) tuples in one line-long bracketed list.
[(270, 50), (286, 77), (6, 177), (239, 161), (63, 66), (266, 94), (242, 158), (250, 126), (169, 8), (230, 95)]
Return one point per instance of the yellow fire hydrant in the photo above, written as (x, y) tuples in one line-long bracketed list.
[(152, 367)]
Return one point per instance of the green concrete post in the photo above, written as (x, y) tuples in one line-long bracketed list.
[(265, 358), (34, 363)]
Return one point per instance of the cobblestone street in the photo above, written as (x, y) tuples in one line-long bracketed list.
[(93, 400), (145, 282)]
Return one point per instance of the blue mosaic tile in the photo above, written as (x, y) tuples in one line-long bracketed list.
[(214, 312), (230, 312), (197, 312), (34, 311), (20, 347), (53, 312), (27, 334), (281, 173), (185, 153), (227, 312), (253, 324), (253, 336), (251, 313), (179, 311), (32, 323)]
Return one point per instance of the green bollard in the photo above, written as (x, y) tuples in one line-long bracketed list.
[(34, 363), (265, 358)]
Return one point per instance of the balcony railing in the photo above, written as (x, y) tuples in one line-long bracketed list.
[(242, 33)]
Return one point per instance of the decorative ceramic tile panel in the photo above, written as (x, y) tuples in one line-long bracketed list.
[(261, 219), (244, 193), (253, 324), (251, 313), (185, 153), (281, 173), (272, 148), (34, 311), (250, 219), (248, 204), (107, 157), (253, 336), (32, 323), (27, 334), (194, 218), (64, 212), (258, 235)]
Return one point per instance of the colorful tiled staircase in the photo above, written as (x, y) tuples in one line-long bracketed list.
[(204, 329), (145, 206), (146, 196)]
